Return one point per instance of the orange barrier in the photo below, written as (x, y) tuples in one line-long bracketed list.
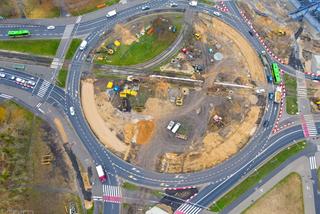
[(101, 5)]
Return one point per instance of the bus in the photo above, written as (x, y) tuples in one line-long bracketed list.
[(18, 33), (276, 73)]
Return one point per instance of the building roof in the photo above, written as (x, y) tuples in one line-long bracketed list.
[(156, 210)]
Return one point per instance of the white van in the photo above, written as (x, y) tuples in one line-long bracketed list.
[(175, 128), (83, 45), (111, 13)]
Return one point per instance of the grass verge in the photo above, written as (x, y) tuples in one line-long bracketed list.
[(62, 78), (92, 6), (73, 47), (285, 197), (254, 178), (291, 94), (36, 47), (129, 186)]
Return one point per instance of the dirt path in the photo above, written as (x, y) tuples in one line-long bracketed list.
[(97, 124)]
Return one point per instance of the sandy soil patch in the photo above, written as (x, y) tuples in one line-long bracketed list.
[(60, 129), (146, 129), (124, 34), (252, 60), (97, 124), (285, 198)]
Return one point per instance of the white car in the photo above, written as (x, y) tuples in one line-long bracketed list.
[(193, 3), (170, 125), (30, 82), (173, 4), (2, 75), (72, 110), (18, 79), (216, 13), (51, 27)]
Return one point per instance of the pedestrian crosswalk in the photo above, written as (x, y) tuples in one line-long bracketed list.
[(313, 163), (310, 125), (43, 88), (111, 194), (188, 209)]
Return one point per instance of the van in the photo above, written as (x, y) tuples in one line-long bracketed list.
[(111, 13), (83, 45), (193, 3), (175, 128)]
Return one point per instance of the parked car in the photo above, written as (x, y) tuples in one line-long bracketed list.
[(175, 128), (170, 125)]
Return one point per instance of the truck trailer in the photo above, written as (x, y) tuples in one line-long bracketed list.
[(277, 95), (101, 174)]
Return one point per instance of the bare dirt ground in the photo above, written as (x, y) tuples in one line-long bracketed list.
[(41, 9), (97, 124), (314, 95), (285, 198), (124, 34), (9, 8), (275, 19)]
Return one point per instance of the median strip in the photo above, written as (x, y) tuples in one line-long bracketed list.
[(257, 176)]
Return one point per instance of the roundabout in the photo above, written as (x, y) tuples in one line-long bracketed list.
[(227, 171)]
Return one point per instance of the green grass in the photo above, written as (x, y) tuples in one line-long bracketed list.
[(72, 48), (36, 47), (90, 211), (62, 78), (291, 94), (147, 48), (91, 8), (209, 2), (129, 186), (260, 174), (157, 193)]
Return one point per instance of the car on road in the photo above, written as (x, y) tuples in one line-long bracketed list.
[(216, 13), (72, 110), (170, 125), (193, 3), (269, 79), (11, 77), (32, 83), (2, 75), (51, 27), (173, 4), (251, 33), (266, 123), (271, 96), (145, 7)]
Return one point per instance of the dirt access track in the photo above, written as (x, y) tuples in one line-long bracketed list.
[(98, 126)]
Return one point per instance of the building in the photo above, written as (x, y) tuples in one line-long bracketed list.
[(315, 64)]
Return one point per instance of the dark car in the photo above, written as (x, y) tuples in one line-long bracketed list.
[(266, 123), (269, 78), (251, 33), (271, 96), (146, 7)]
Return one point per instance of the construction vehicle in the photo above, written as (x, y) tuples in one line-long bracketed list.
[(110, 51), (123, 94), (277, 95), (179, 101), (182, 136), (130, 92), (109, 85), (278, 32), (197, 36)]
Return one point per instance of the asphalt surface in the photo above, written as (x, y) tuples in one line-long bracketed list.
[(219, 178)]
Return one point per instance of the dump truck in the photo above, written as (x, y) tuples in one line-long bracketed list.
[(277, 95), (101, 174)]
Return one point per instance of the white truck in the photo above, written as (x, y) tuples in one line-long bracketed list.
[(101, 174), (176, 127), (193, 3), (111, 13), (277, 95), (83, 45)]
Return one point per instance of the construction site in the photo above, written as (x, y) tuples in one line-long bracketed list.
[(200, 108), (290, 39)]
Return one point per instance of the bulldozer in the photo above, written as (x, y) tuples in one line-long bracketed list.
[(197, 36), (278, 32)]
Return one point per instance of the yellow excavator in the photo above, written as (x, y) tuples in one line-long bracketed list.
[(197, 36), (279, 32)]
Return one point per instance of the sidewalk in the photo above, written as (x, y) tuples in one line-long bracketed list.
[(301, 166)]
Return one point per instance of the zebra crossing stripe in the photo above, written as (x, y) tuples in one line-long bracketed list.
[(188, 209), (111, 194), (313, 163), (43, 88)]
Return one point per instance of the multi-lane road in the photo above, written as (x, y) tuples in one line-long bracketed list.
[(219, 178)]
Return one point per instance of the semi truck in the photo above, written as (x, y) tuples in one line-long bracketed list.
[(277, 95), (101, 174), (111, 13)]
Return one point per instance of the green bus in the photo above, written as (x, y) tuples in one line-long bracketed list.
[(18, 33), (276, 73)]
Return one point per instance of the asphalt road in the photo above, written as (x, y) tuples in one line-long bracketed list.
[(219, 178)]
